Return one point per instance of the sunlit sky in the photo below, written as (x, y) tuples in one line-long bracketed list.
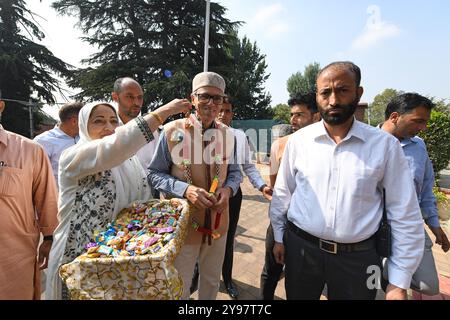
[(398, 44)]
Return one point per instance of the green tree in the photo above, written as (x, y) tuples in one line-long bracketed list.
[(299, 83), (245, 74), (437, 139), (379, 104), (440, 105), (25, 65), (282, 112), (158, 42)]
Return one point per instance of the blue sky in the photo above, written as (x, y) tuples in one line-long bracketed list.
[(398, 44)]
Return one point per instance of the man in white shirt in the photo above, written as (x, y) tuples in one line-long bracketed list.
[(62, 136), (327, 202), (303, 113), (128, 95), (244, 161)]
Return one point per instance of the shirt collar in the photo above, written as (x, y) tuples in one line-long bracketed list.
[(407, 141), (356, 131), (3, 136), (404, 142), (61, 133)]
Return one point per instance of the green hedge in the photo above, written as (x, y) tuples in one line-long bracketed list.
[(437, 139)]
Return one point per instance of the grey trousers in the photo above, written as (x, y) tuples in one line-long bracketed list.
[(425, 280)]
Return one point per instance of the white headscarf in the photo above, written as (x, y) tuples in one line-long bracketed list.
[(126, 175), (129, 178)]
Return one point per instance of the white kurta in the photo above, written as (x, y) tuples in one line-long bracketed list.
[(90, 157)]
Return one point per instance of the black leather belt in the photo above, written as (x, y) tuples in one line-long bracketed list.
[(331, 246)]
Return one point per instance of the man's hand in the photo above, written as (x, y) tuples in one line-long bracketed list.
[(395, 293), (267, 193), (278, 252), (44, 251), (223, 196), (441, 238), (200, 198)]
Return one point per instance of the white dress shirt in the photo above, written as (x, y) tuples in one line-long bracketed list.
[(244, 159), (334, 192), (54, 142)]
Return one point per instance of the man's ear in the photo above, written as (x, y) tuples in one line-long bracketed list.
[(193, 101), (394, 117), (115, 96), (360, 92), (2, 106)]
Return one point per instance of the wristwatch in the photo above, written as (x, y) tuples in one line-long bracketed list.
[(48, 238), (262, 187)]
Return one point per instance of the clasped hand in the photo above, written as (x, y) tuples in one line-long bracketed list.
[(202, 199)]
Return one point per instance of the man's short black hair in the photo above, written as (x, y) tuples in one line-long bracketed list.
[(308, 99), (69, 110), (348, 65), (406, 103)]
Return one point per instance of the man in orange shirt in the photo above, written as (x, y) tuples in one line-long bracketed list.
[(28, 202)]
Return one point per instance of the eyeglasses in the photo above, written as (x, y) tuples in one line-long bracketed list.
[(206, 98)]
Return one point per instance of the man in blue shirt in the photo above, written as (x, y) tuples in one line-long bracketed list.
[(407, 115), (62, 136)]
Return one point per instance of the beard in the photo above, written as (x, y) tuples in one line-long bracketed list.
[(346, 112)]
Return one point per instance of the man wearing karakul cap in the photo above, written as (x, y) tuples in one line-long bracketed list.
[(194, 160)]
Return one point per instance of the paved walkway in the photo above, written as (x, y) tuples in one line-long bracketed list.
[(250, 249)]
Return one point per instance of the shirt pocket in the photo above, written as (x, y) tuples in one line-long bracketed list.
[(10, 181), (366, 181)]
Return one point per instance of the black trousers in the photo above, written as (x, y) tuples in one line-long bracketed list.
[(234, 211), (271, 272), (308, 269)]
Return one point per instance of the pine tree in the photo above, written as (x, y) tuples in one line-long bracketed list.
[(25, 65), (245, 74), (158, 42)]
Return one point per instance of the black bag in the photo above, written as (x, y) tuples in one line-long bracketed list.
[(383, 236)]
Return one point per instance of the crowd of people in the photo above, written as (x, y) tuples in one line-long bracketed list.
[(332, 179)]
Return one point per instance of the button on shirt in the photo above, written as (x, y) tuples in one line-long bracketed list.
[(243, 159), (333, 191)]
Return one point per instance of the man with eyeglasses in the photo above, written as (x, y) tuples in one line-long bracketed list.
[(193, 160), (129, 97), (62, 136)]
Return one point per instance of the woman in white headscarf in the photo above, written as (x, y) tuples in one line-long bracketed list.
[(98, 177)]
